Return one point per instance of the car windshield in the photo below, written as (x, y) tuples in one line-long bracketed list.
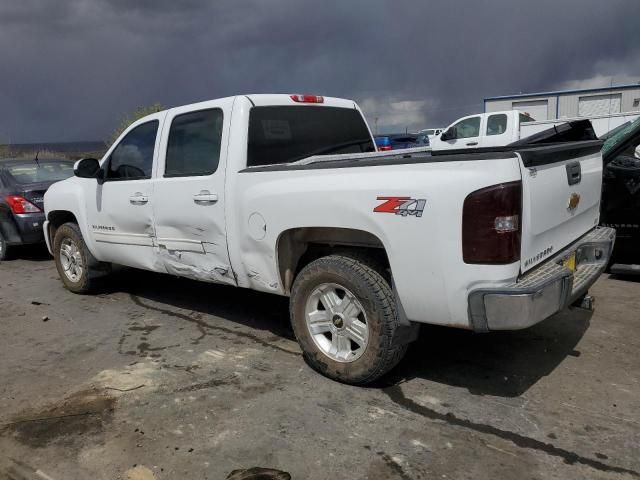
[(622, 135), (613, 132), (30, 171)]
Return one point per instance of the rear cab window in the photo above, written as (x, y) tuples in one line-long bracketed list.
[(285, 134), (496, 124), (525, 117)]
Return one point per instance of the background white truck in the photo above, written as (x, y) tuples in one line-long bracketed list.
[(503, 128), (367, 245)]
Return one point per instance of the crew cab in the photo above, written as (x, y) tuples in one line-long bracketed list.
[(286, 194)]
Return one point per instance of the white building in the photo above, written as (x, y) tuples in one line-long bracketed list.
[(570, 103)]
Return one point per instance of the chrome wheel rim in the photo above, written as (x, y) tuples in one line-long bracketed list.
[(337, 322), (71, 260)]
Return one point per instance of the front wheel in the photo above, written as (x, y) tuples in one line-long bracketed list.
[(344, 316), (76, 265)]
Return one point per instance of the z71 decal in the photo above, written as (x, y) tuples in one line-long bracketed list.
[(401, 206)]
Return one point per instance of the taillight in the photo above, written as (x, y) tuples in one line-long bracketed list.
[(384, 148), (21, 205), (307, 98), (491, 224)]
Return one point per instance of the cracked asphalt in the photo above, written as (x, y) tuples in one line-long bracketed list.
[(159, 377)]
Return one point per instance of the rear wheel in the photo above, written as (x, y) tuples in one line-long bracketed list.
[(344, 316), (4, 249), (76, 265)]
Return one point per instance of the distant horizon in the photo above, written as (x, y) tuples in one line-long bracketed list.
[(72, 142), (70, 148)]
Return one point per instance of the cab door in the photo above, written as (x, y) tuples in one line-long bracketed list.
[(190, 195), (496, 131), (119, 209), (463, 134)]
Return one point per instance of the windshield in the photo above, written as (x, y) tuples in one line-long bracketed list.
[(289, 133), (620, 136), (44, 171), (611, 133)]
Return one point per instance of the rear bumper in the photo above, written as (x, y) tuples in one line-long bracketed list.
[(23, 229), (30, 227), (546, 290)]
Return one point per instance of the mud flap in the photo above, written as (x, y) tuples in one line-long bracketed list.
[(407, 331)]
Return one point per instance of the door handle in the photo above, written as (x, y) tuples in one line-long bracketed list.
[(472, 144), (138, 199), (574, 173), (205, 197)]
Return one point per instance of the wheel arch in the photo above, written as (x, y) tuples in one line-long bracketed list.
[(56, 219), (297, 247)]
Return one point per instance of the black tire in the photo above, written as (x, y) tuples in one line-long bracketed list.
[(375, 296), (5, 250), (92, 269)]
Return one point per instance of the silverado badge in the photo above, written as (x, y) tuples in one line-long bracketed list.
[(574, 200)]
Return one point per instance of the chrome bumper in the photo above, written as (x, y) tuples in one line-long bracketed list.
[(546, 290)]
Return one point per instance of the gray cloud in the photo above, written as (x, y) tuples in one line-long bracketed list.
[(69, 69)]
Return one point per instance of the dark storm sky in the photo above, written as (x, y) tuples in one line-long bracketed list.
[(69, 69)]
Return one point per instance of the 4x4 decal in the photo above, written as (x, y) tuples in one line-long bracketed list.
[(401, 206)]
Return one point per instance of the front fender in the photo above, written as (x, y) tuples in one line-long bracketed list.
[(68, 196)]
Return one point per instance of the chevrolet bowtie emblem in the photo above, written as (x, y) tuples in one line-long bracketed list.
[(574, 200)]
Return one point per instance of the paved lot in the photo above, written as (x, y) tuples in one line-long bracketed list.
[(164, 378)]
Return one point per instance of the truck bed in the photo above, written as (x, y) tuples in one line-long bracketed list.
[(532, 155)]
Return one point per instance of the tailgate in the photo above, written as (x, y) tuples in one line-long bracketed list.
[(561, 188)]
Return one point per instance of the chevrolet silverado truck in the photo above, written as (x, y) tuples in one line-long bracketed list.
[(286, 194)]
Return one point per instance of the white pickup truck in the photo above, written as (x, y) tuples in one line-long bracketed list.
[(483, 130), (286, 194), (497, 129)]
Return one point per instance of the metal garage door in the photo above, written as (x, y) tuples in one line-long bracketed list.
[(538, 109), (599, 105)]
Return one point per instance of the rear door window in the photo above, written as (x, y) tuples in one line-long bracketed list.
[(194, 144), (284, 134)]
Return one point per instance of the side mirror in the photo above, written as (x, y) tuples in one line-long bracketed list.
[(449, 134), (87, 168)]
